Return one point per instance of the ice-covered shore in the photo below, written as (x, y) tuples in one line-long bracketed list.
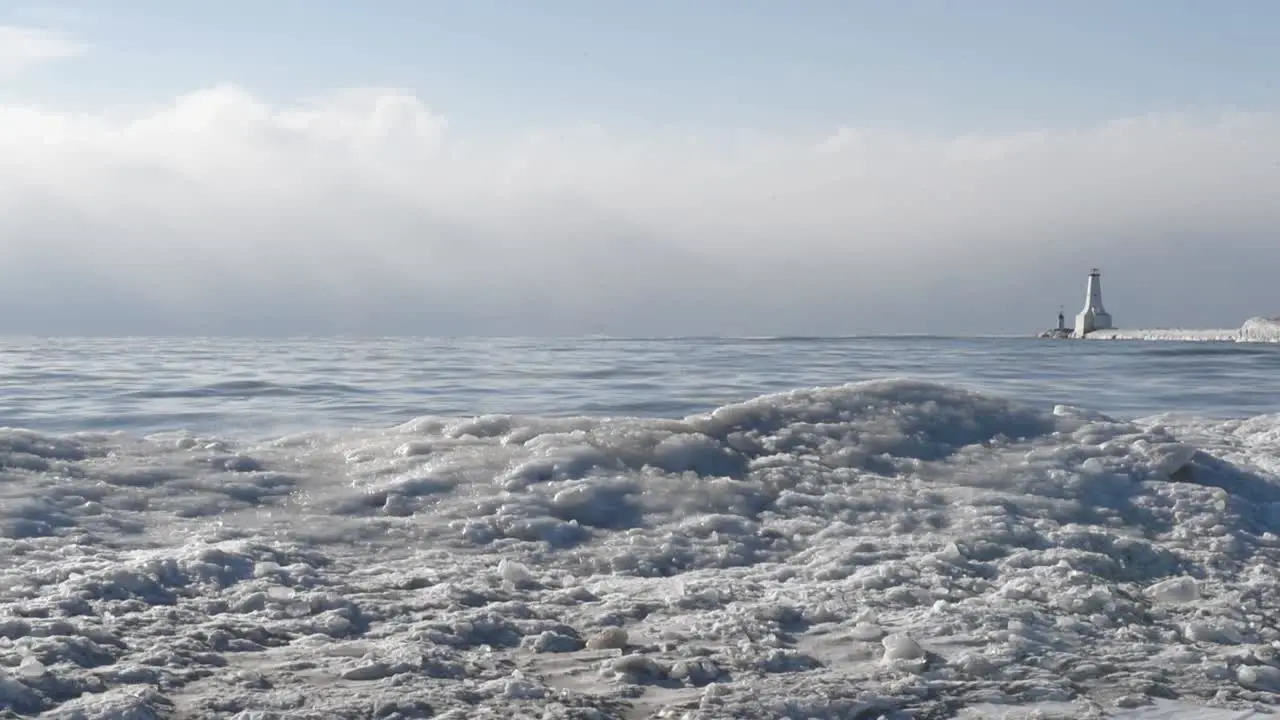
[(1258, 329), (885, 549)]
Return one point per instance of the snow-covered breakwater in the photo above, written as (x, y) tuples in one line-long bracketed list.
[(1258, 329)]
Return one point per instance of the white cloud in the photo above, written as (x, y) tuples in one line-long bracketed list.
[(365, 211), (22, 48)]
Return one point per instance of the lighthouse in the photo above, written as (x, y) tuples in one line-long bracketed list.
[(1093, 316)]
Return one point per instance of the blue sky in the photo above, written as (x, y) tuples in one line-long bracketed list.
[(662, 167), (976, 65)]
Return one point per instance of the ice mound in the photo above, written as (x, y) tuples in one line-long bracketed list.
[(1261, 329), (894, 548)]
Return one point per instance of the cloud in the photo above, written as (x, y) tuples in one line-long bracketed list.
[(22, 48), (365, 211)]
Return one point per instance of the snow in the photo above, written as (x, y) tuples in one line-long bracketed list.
[(887, 549), (1253, 330)]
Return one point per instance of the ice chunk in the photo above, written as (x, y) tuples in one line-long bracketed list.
[(1259, 677), (30, 667), (514, 574), (1218, 632), (1175, 590), (609, 638), (866, 631), (899, 646)]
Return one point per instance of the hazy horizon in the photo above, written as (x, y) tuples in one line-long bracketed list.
[(574, 169)]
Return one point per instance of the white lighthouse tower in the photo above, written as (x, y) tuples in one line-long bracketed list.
[(1093, 316)]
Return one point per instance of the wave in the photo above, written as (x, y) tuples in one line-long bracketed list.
[(892, 546)]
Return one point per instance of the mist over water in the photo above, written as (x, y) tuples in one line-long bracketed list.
[(369, 211)]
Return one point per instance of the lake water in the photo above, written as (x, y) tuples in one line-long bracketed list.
[(257, 387)]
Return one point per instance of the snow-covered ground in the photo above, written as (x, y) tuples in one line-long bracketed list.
[(888, 549), (1253, 330)]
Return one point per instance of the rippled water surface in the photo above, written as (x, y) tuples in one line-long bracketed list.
[(262, 387)]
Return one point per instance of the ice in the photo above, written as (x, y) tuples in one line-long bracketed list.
[(514, 574), (891, 548), (30, 667), (1262, 677), (1159, 709), (901, 647), (1175, 590)]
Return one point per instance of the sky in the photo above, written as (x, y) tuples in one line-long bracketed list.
[(691, 167)]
